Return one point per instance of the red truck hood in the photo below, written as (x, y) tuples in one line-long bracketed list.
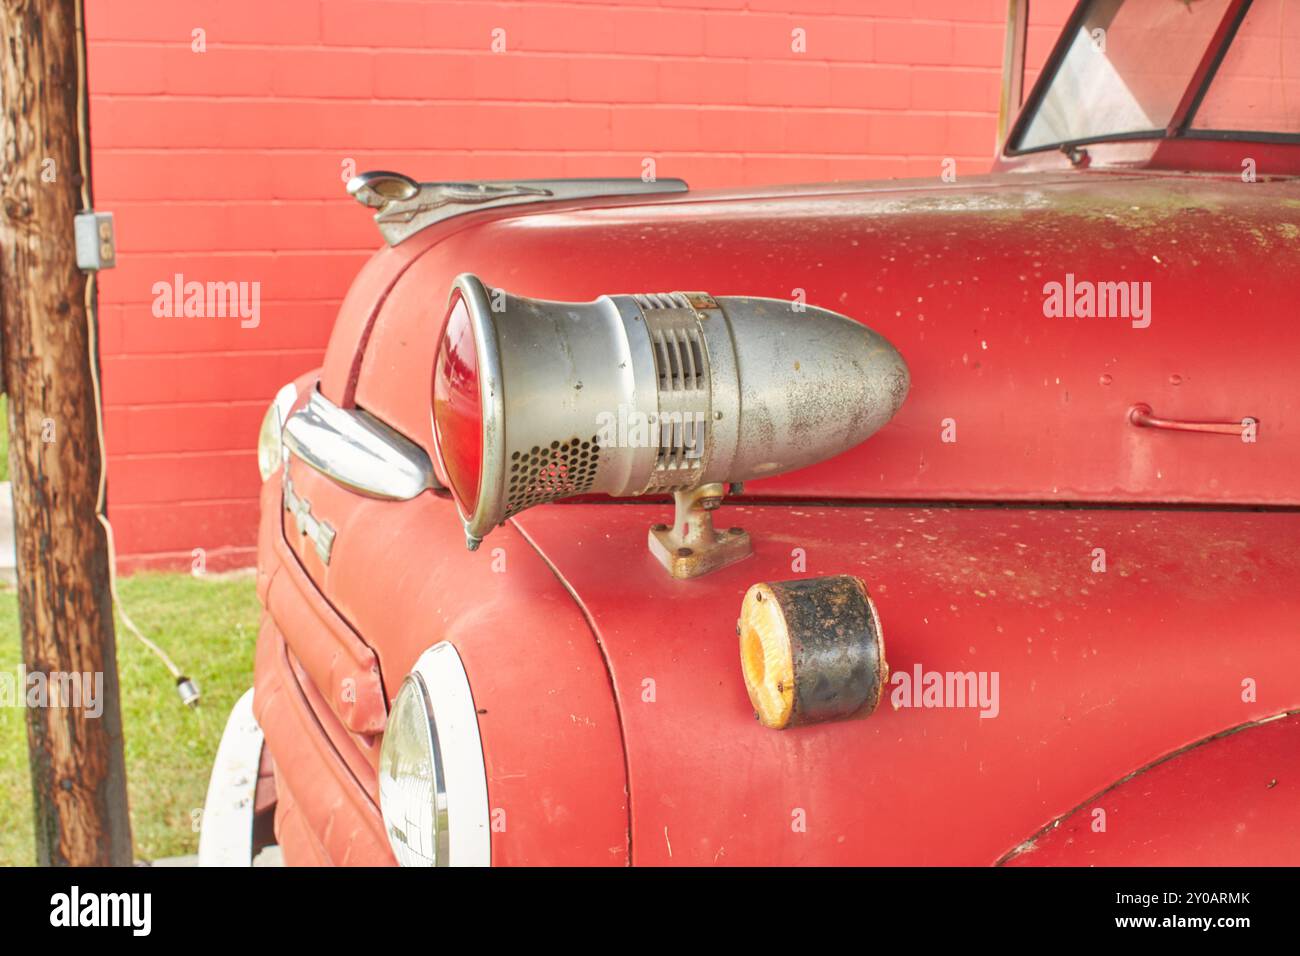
[(1099, 673), (1007, 402)]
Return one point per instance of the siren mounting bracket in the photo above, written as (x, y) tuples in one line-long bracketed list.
[(692, 546)]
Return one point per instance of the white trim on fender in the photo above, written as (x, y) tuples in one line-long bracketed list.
[(226, 830), (461, 750)]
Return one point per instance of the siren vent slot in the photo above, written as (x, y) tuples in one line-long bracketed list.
[(682, 370), (695, 352), (674, 360), (661, 300), (679, 359)]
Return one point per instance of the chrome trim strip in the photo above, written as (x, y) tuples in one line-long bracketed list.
[(405, 207), (356, 450), (460, 751)]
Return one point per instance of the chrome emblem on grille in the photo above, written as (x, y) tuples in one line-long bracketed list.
[(320, 532)]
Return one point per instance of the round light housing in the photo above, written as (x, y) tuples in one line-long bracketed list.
[(412, 789), (811, 650), (270, 449), (432, 781)]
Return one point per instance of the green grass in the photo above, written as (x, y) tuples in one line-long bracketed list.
[(208, 626)]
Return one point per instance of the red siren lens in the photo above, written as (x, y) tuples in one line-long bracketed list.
[(458, 407)]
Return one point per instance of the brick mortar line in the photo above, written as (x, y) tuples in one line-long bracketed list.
[(273, 99)]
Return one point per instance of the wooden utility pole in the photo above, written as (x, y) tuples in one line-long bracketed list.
[(66, 611)]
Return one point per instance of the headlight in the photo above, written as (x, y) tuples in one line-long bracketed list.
[(270, 452), (412, 787), (432, 782)]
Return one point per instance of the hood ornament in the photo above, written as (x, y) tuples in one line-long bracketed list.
[(405, 207)]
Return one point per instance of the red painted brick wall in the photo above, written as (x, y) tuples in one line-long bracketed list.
[(228, 165)]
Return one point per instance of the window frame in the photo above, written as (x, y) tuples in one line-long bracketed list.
[(1184, 114)]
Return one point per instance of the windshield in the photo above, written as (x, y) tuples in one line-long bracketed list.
[(1129, 63)]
